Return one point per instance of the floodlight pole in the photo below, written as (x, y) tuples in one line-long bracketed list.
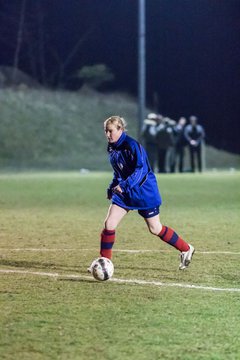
[(141, 65)]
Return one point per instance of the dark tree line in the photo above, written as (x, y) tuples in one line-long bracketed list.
[(29, 44)]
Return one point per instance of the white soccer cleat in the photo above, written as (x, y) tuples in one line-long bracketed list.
[(186, 257), (90, 268)]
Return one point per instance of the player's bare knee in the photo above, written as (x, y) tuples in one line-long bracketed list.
[(155, 229), (109, 225), (152, 230)]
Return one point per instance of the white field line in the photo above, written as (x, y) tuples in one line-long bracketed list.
[(130, 251), (115, 280)]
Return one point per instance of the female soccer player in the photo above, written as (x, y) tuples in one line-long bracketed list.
[(134, 187)]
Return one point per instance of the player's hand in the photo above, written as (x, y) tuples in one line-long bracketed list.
[(117, 189), (109, 194)]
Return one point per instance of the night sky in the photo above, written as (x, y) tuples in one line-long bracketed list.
[(192, 52)]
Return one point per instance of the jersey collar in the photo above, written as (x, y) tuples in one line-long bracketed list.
[(115, 145)]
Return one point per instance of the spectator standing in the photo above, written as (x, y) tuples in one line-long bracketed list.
[(179, 145), (194, 134), (149, 137), (164, 139)]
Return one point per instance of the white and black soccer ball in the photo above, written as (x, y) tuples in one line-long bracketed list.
[(102, 269)]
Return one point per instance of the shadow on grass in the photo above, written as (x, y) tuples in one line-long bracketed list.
[(80, 280), (80, 270), (40, 265)]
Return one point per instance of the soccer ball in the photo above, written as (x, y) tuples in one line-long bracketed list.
[(102, 269)]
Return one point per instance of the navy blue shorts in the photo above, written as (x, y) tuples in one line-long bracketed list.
[(149, 212)]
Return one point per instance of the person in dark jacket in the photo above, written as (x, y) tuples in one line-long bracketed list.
[(179, 145), (164, 140), (195, 134), (134, 187), (149, 137)]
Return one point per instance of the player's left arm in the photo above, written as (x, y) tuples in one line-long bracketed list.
[(137, 174)]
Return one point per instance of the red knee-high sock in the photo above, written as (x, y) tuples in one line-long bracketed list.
[(107, 241), (171, 237)]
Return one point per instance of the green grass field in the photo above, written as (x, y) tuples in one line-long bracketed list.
[(50, 224)]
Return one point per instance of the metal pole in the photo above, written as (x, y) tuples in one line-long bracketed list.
[(141, 65)]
